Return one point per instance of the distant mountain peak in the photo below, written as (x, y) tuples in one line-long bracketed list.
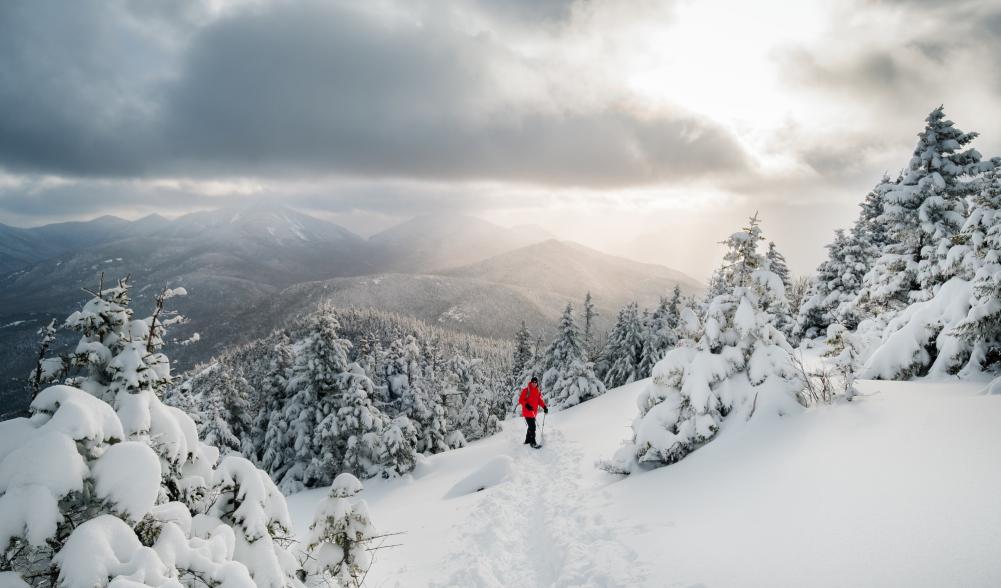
[(108, 218), (431, 242), (533, 229), (572, 269), (262, 221)]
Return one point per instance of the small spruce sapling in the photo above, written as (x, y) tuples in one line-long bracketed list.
[(340, 536)]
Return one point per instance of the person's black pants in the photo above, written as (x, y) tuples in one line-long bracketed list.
[(530, 435)]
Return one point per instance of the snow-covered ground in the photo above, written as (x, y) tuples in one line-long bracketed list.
[(899, 488)]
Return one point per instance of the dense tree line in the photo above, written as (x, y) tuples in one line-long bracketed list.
[(357, 391)]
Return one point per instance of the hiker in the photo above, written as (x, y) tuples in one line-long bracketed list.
[(530, 401)]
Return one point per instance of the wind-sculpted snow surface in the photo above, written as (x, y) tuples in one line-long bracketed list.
[(496, 471)]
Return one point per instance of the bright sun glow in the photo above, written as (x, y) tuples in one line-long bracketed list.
[(736, 87)]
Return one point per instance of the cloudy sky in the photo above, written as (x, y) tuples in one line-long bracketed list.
[(645, 128)]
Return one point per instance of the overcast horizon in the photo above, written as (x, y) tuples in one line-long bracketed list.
[(648, 129)]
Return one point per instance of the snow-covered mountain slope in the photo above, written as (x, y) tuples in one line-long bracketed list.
[(492, 297), (249, 269), (568, 268), (21, 247), (898, 488), (465, 305), (230, 260), (272, 224)]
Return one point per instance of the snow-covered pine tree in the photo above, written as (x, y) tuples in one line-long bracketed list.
[(660, 333), (45, 367), (270, 453), (870, 229), (797, 294), (923, 213), (569, 378), (834, 292), (332, 422), (105, 473), (313, 390), (737, 363), (273, 445), (979, 258), (416, 387), (589, 315), (374, 364), (592, 347), (366, 356), (224, 420), (400, 367), (714, 288), (455, 439), (777, 263), (835, 288), (674, 306), (399, 447), (741, 258), (478, 416), (784, 319), (340, 536), (521, 361), (429, 416), (539, 353), (359, 425), (623, 352), (956, 330)]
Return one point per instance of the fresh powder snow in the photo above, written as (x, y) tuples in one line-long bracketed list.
[(865, 493)]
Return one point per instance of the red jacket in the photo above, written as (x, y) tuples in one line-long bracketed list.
[(531, 397)]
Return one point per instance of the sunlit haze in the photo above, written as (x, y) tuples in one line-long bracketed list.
[(646, 129)]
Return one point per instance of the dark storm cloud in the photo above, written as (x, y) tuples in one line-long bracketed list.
[(398, 199), (962, 29), (70, 100), (311, 88), (875, 73), (35, 201), (895, 77), (527, 11)]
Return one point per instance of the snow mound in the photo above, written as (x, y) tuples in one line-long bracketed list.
[(128, 475), (496, 471), (994, 387), (923, 338)]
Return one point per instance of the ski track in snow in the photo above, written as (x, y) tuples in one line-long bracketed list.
[(530, 530)]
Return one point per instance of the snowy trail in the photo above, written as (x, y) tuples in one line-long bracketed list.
[(499, 514), (531, 530)]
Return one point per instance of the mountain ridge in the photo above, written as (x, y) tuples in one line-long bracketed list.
[(431, 243), (246, 270), (569, 268)]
